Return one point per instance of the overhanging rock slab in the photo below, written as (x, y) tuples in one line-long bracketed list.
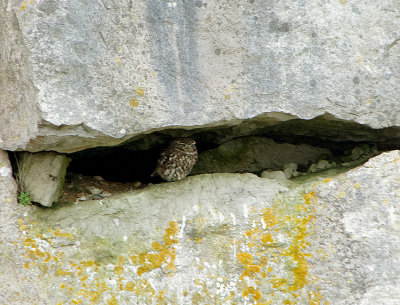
[(79, 74)]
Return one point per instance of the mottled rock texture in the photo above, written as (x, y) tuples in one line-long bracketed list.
[(18, 285), (42, 175), (252, 154), (78, 74), (215, 239)]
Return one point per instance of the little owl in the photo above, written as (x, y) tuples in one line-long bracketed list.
[(177, 160)]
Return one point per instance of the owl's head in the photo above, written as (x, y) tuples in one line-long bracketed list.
[(186, 145)]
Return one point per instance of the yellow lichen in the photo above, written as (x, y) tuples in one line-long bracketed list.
[(140, 91), (309, 197), (164, 256), (249, 233), (160, 298), (24, 5), (60, 272), (251, 291), (130, 286), (112, 301), (266, 238), (340, 195), (94, 296), (278, 283), (134, 103), (83, 278), (315, 298), (292, 220), (269, 218), (87, 264), (118, 270), (245, 258), (253, 268), (48, 257)]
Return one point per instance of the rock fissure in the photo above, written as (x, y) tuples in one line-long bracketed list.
[(103, 171)]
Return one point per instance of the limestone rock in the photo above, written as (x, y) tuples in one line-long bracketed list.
[(218, 238), (42, 175), (290, 170), (252, 154), (320, 165), (79, 74), (17, 285), (273, 175), (8, 187), (357, 224)]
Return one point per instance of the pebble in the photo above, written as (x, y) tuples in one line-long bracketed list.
[(94, 190), (357, 152), (289, 169), (273, 175), (137, 184), (106, 194), (84, 198)]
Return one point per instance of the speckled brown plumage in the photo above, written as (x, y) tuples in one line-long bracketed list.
[(177, 160)]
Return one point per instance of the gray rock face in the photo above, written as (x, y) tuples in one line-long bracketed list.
[(17, 284), (79, 74), (42, 175), (217, 239), (7, 183), (357, 222)]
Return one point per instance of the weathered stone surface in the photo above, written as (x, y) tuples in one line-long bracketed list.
[(17, 284), (357, 222), (7, 182), (221, 239), (79, 74), (252, 154), (42, 175), (273, 175)]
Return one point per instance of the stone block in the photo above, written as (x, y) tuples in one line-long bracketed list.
[(42, 175)]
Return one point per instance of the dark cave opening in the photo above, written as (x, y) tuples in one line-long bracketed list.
[(118, 165), (136, 159), (128, 164), (125, 163)]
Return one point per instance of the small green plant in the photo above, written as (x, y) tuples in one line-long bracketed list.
[(24, 198)]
